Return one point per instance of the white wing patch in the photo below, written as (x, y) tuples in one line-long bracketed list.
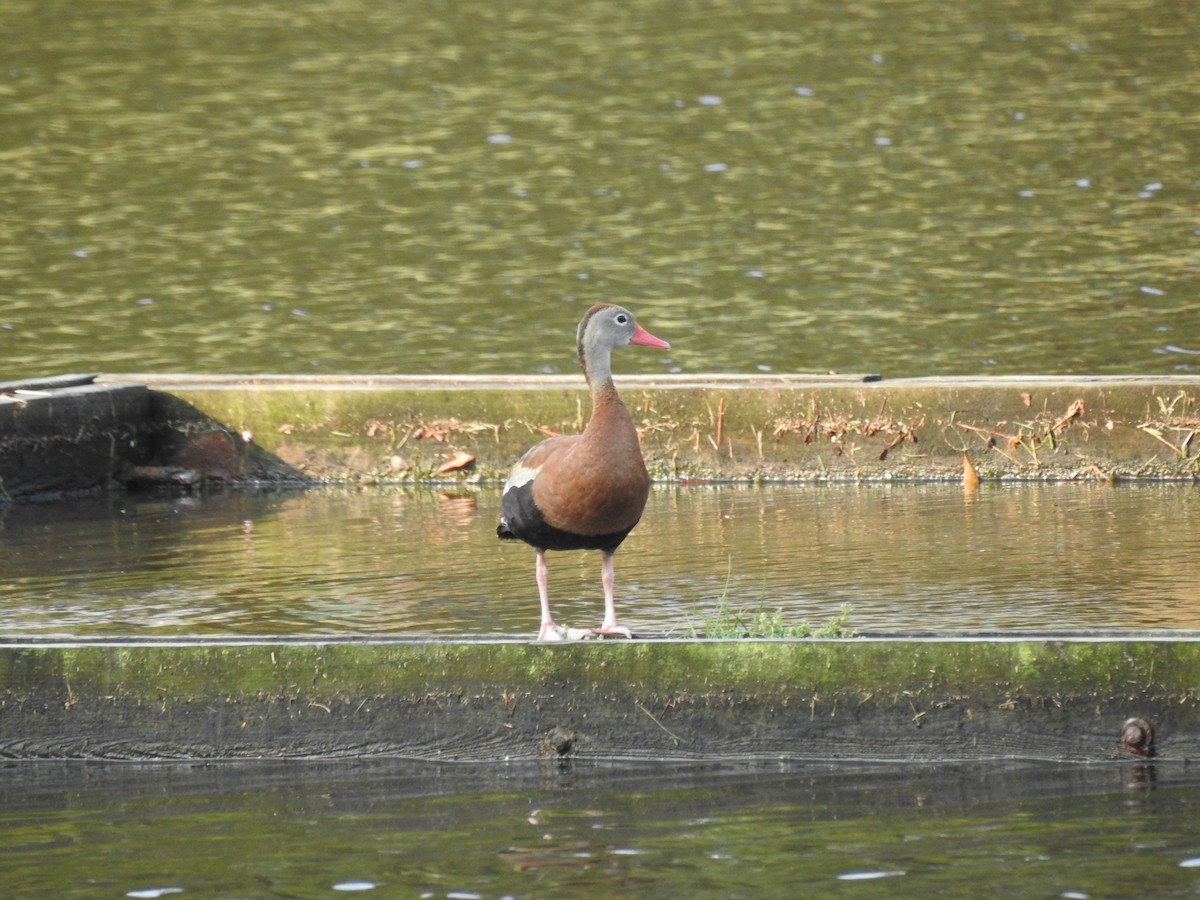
[(520, 476)]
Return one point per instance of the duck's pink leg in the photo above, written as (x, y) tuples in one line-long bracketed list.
[(549, 631), (608, 578)]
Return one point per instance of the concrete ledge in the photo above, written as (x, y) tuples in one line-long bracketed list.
[(774, 427), (883, 698), (79, 433)]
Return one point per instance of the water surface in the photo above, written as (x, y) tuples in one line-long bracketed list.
[(909, 188), (912, 557), (405, 829)]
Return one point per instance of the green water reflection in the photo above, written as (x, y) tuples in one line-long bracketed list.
[(910, 188), (339, 562), (422, 830)]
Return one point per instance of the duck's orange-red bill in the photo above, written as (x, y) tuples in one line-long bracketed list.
[(646, 339)]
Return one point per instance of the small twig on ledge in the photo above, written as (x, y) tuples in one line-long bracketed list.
[(673, 736)]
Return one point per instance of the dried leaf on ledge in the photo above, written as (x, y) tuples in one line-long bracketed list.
[(459, 460)]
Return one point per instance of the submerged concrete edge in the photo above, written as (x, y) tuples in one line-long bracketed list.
[(931, 699)]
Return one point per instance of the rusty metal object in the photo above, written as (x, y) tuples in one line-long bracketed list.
[(1137, 737), (213, 453)]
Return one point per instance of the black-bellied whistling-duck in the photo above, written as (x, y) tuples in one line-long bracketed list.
[(584, 491)]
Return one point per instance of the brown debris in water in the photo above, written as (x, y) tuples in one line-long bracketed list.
[(970, 473)]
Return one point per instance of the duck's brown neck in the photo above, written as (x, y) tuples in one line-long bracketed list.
[(605, 398), (611, 425)]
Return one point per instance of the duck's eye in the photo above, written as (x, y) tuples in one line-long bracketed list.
[(622, 319)]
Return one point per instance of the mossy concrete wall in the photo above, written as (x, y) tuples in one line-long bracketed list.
[(895, 699), (399, 428), (80, 433)]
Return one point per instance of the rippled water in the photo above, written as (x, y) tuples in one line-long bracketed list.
[(916, 188), (398, 829), (915, 557)]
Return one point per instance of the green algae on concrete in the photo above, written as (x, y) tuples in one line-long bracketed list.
[(713, 426), (506, 699)]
